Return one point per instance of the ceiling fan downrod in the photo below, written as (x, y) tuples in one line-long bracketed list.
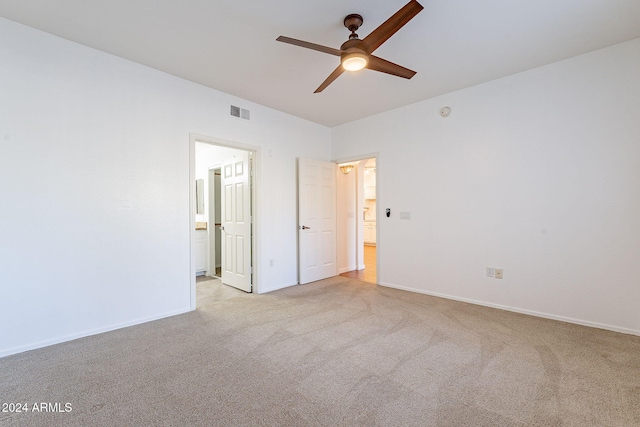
[(353, 22)]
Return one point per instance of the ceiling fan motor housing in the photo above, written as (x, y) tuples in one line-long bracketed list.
[(351, 44), (351, 49)]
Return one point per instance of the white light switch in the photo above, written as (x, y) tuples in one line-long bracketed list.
[(405, 215)]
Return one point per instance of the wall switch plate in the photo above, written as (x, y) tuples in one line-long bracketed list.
[(405, 215), (499, 273), (490, 271)]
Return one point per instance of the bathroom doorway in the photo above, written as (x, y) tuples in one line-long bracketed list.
[(223, 234)]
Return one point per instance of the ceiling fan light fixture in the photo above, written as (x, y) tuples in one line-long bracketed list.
[(355, 61)]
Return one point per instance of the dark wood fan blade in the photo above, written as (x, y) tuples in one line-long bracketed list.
[(320, 48), (390, 26), (336, 73), (384, 66)]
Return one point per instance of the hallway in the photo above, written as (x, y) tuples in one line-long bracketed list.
[(369, 273)]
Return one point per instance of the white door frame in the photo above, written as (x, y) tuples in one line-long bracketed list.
[(255, 238), (211, 262), (379, 212)]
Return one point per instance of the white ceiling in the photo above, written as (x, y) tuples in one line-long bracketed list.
[(230, 45)]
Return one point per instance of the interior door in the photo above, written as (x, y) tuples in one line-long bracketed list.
[(235, 202), (316, 220)]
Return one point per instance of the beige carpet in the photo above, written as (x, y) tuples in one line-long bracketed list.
[(333, 353)]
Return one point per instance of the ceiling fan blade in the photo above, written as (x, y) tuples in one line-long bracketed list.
[(384, 66), (336, 73), (390, 26), (320, 48)]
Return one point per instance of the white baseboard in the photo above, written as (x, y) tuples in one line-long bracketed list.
[(275, 288), (58, 340), (362, 267), (346, 269), (519, 310)]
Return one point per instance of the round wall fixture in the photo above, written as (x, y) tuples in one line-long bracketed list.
[(445, 111)]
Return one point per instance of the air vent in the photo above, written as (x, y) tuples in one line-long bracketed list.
[(240, 113)]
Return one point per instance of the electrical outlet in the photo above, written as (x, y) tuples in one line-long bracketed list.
[(499, 273), (490, 271), (270, 263)]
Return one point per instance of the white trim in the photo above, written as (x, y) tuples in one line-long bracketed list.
[(211, 254), (358, 158), (65, 338), (192, 223), (277, 287), (519, 310)]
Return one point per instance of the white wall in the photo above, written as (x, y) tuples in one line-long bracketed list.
[(537, 173), (360, 208), (94, 183), (346, 221)]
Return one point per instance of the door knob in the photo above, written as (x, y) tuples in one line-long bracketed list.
[(304, 227)]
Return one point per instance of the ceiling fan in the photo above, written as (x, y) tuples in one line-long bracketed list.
[(356, 54)]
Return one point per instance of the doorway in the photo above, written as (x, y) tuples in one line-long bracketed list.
[(226, 170), (358, 219)]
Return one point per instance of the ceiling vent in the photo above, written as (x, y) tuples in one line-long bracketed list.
[(240, 113)]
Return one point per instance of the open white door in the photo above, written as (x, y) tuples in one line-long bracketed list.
[(235, 202), (316, 220)]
